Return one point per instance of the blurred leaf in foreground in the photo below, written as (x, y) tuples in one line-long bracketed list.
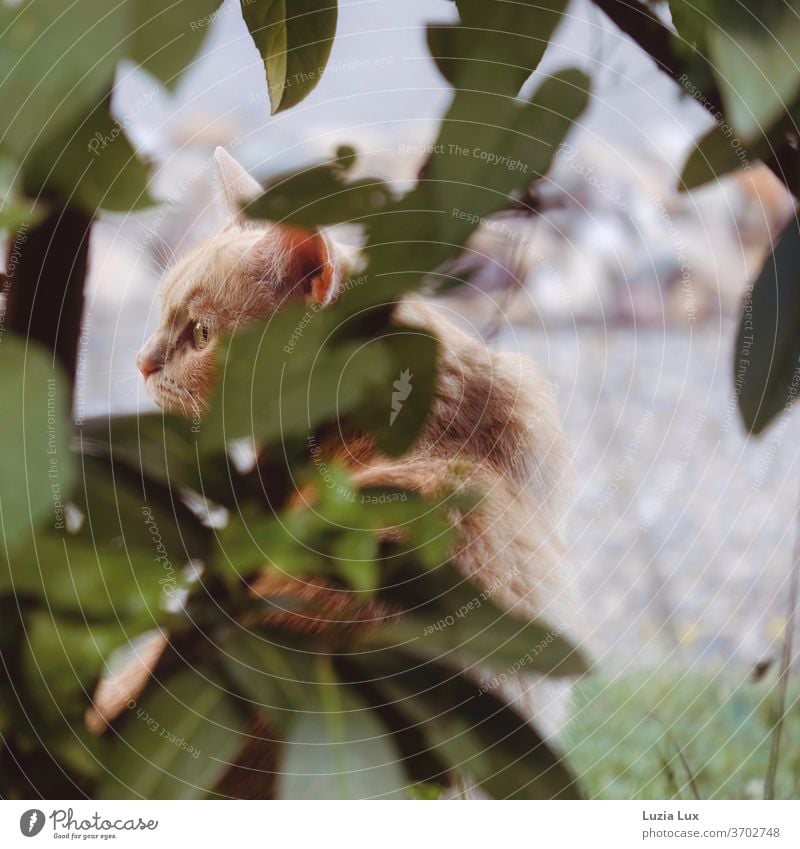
[(37, 469), (767, 358)]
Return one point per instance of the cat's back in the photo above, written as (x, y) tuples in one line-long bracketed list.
[(495, 408)]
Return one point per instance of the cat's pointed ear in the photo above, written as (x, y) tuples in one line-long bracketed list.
[(238, 187), (309, 263), (314, 264)]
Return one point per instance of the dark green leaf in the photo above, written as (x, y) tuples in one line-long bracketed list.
[(64, 659), (176, 742), (163, 449), (92, 164), (721, 151), (767, 358), (343, 753), (57, 64), (691, 17), (81, 751), (161, 446), (277, 679), (75, 576), (715, 154), (397, 422), (122, 512), (453, 620), (754, 53), (321, 196), (295, 41), (166, 34), (497, 45), (284, 378), (15, 210), (473, 732), (37, 469)]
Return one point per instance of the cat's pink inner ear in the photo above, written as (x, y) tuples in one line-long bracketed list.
[(238, 187), (311, 264)]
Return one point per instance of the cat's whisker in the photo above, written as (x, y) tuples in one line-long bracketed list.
[(161, 250)]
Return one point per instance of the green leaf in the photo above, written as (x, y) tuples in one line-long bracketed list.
[(755, 62), (356, 553), (282, 379), (163, 450), (497, 45), (37, 469), (252, 541), (80, 750), (276, 679), (344, 753), (176, 742), (123, 512), (397, 422), (307, 542), (162, 446), (63, 661), (691, 18), (471, 731), (111, 555), (321, 196), (766, 362), (714, 156), (75, 576), (15, 210), (93, 165), (56, 65), (475, 171), (482, 163), (167, 34), (295, 41), (720, 152), (453, 620)]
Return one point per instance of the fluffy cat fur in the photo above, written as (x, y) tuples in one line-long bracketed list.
[(492, 409)]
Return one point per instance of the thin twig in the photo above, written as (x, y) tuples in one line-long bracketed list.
[(672, 782), (685, 763), (515, 272), (654, 36), (782, 687)]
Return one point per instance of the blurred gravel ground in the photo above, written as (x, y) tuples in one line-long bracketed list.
[(683, 525)]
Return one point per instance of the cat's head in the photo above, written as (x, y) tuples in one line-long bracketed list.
[(240, 276)]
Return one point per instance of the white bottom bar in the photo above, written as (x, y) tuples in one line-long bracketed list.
[(402, 825)]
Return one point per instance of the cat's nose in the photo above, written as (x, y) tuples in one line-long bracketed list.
[(146, 365)]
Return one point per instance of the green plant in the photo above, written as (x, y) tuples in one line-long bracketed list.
[(100, 522), (669, 734), (387, 709)]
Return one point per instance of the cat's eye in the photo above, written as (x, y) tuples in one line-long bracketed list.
[(201, 335)]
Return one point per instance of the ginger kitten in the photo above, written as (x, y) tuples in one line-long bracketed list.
[(493, 410)]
